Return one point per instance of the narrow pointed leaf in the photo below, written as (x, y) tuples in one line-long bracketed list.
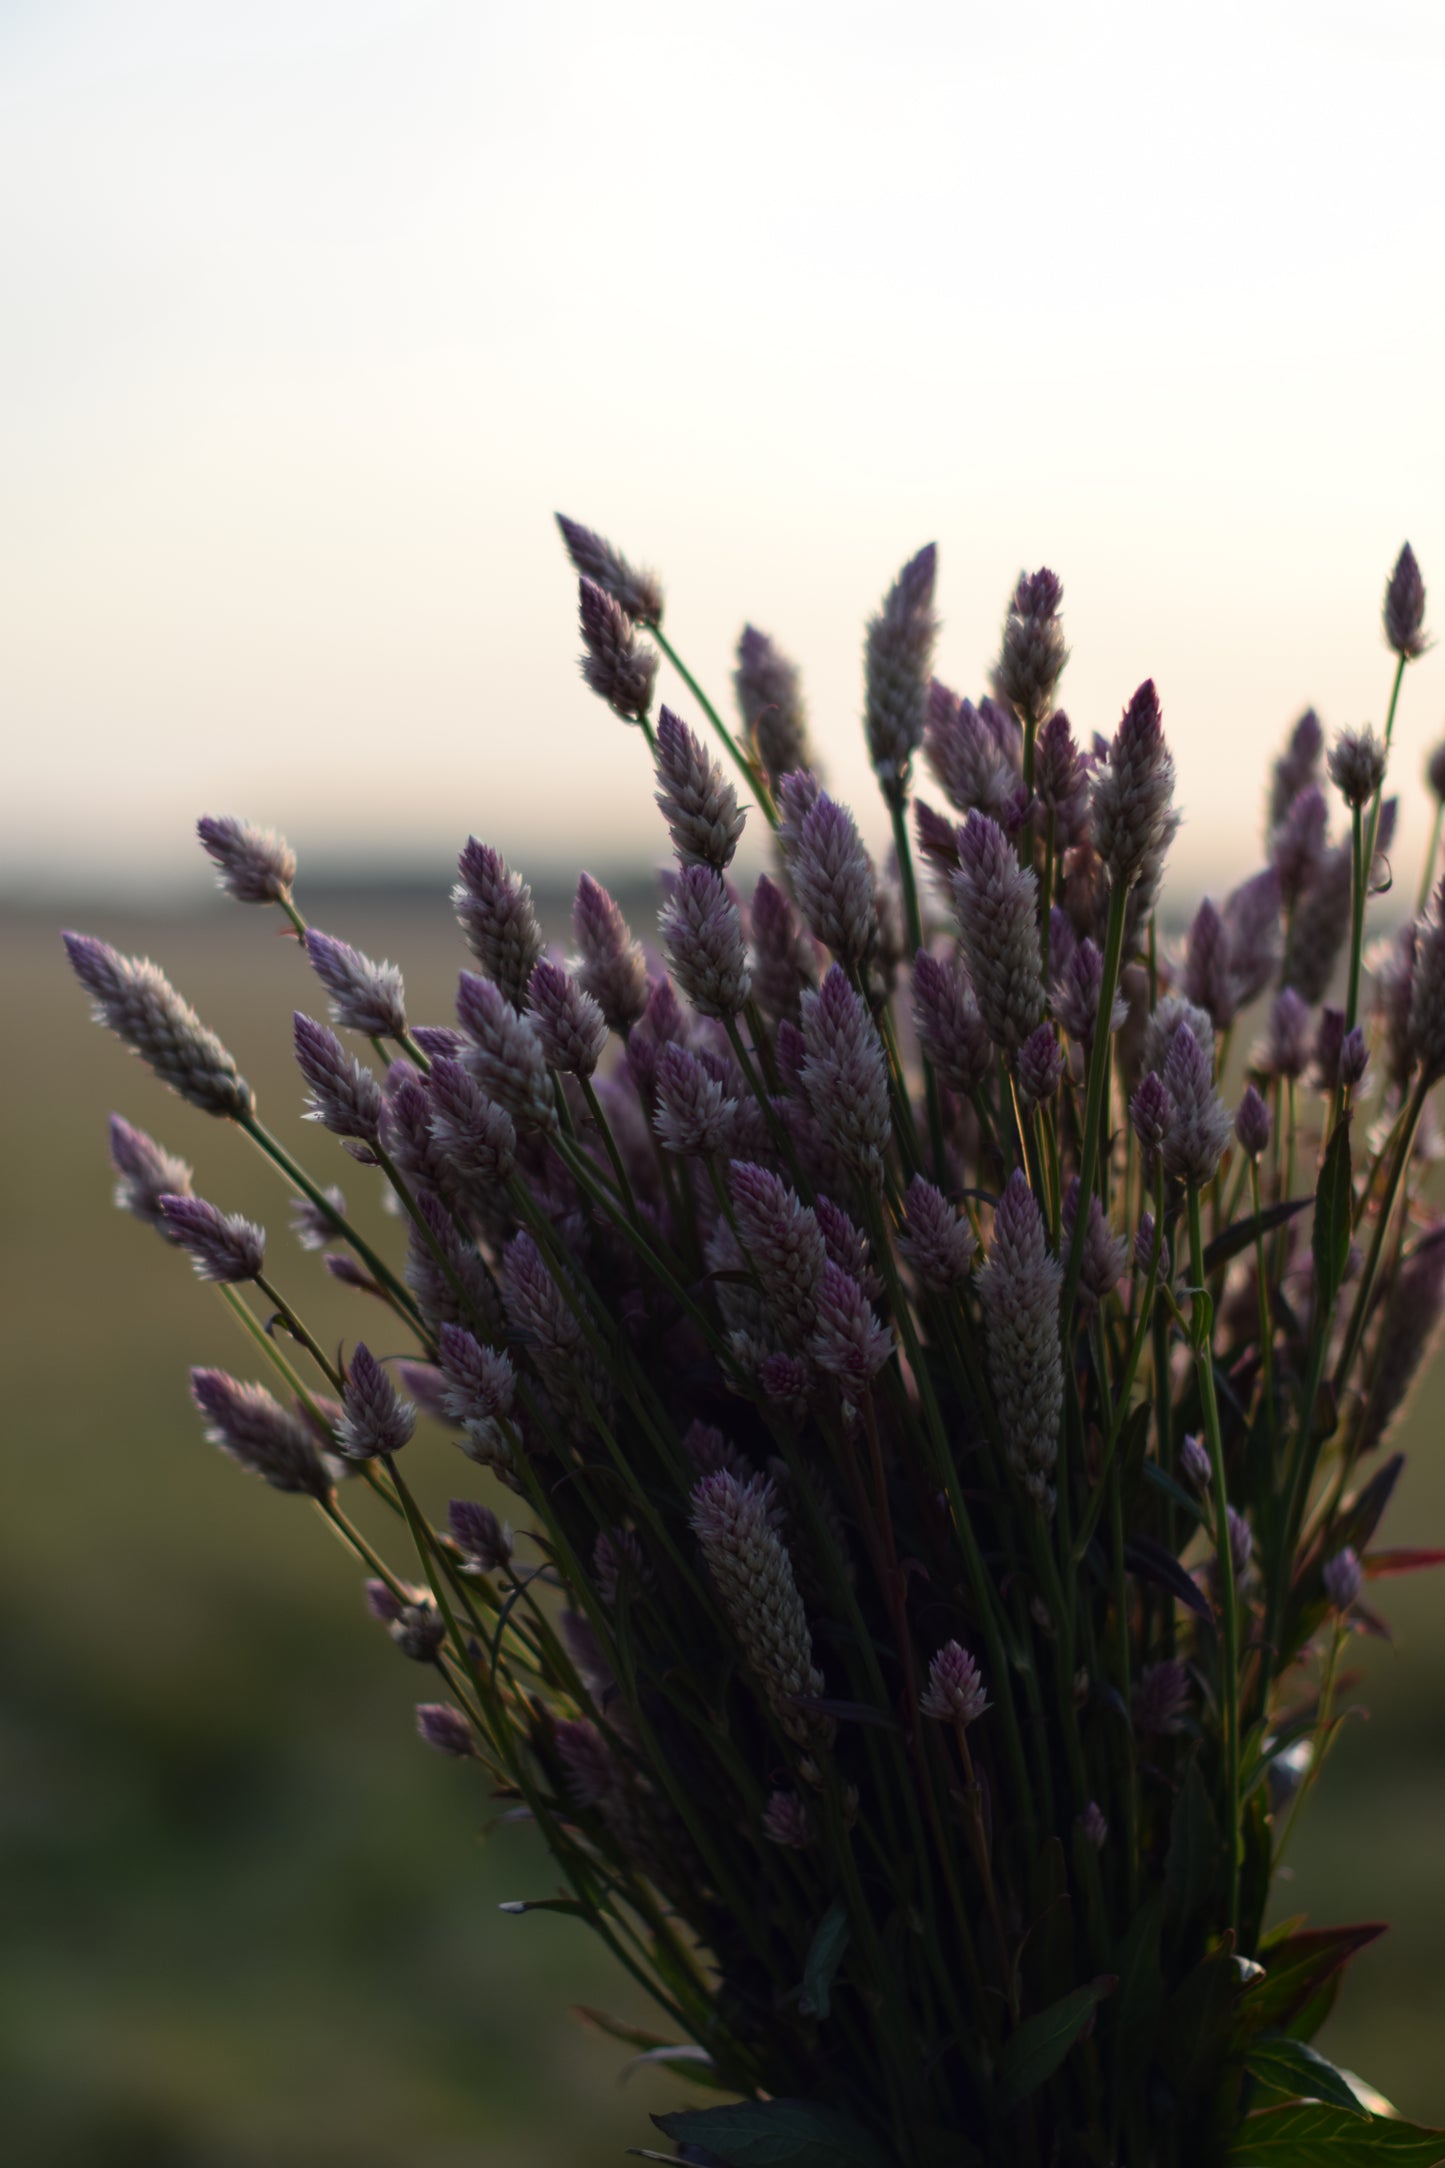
[(1030, 2058), (1149, 1561), (775, 2134), (1240, 1234), (1334, 1215), (1319, 2137), (1300, 2073), (1191, 1865), (825, 1954), (1379, 1564), (1295, 1969)]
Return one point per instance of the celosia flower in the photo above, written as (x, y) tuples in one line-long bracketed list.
[(898, 656), (1404, 611), (504, 1054), (783, 954), (246, 1422), (753, 1575), (443, 1270), (783, 1243), (1319, 925), (1019, 1288), (365, 996), (1061, 782), (995, 900), (1039, 1067), (222, 1246), (845, 1075), (1132, 804), (569, 1023), (494, 908), (1077, 992), (1296, 769), (619, 1566), (698, 803), (377, 1420), (1194, 1463), (1286, 1048), (786, 1821), (617, 667), (702, 935), (638, 593), (1104, 1254), (1427, 991), (476, 1530), (611, 967), (147, 1173), (254, 865), (693, 1113), (770, 701), (1343, 1577), (479, 1385), (1200, 1129), (1357, 766), (935, 1241), (847, 1340), (1033, 654), (344, 1095), (1152, 1112), (955, 1691), (314, 1226), (134, 999), (445, 1728), (964, 755), (1252, 1123), (831, 874), (950, 1026)]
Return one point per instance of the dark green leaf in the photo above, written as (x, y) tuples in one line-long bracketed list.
[(1328, 2138), (1294, 1970), (1241, 1233), (1361, 1515), (1161, 1480), (1334, 1212), (775, 2134), (1149, 1561), (1036, 2050), (1191, 1865), (1306, 2022), (1134, 2012), (1198, 2020), (1296, 2071), (825, 1953)]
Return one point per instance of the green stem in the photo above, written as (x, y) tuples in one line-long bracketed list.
[(296, 1174), (755, 782), (1202, 1337), (1359, 882)]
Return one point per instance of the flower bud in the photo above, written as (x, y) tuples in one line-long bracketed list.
[(638, 593), (955, 1690), (1404, 611), (1252, 1123), (223, 1247), (1357, 766), (365, 996), (134, 999), (254, 865)]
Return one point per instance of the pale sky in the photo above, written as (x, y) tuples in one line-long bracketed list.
[(315, 312)]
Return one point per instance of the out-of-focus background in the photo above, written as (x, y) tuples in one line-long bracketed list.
[(314, 314)]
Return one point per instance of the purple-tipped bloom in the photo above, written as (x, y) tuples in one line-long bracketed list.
[(697, 801), (950, 1028), (1019, 1289), (845, 1076), (365, 996), (831, 873), (314, 1227), (587, 1764), (1104, 1254), (257, 1432), (1297, 768), (955, 1690), (783, 955), (1354, 1057), (1241, 1543), (770, 701), (1427, 990), (1161, 1699), (1144, 1247), (1077, 991), (1151, 1110), (254, 865), (1093, 1826), (753, 1575), (963, 753), (1034, 654), (1329, 1039), (1061, 782), (639, 593), (786, 1821), (134, 999), (1194, 1464), (1040, 1066), (1133, 794), (702, 936), (1344, 1577), (147, 1174), (457, 1292), (504, 1054), (1319, 924), (1357, 766), (418, 1631), (537, 1307), (479, 1383), (344, 1095), (848, 1342), (611, 966), (1286, 1048), (897, 660), (1200, 1129), (936, 1242), (1252, 1123), (937, 844), (1298, 843), (784, 1245), (377, 1419), (569, 1023), (995, 899), (1404, 611), (445, 1728), (495, 911), (477, 1531), (406, 1130), (693, 1115), (618, 669), (1253, 936), (619, 1566), (223, 1247)]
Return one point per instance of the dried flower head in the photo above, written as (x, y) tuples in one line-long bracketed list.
[(365, 996), (950, 1026), (615, 664), (504, 1054), (702, 935), (344, 1095), (845, 1076), (495, 911), (1019, 1289), (955, 1691), (146, 1173), (784, 959), (1039, 1067), (611, 966), (246, 1422), (697, 801), (995, 899), (475, 1136), (897, 660), (1404, 611), (1104, 1254), (223, 1247), (847, 1342), (770, 701), (936, 1242), (1357, 766), (694, 1114), (830, 872), (254, 865), (569, 1023), (784, 1245), (1133, 795), (638, 593), (1201, 1126), (134, 999), (1152, 1112), (377, 1420), (1034, 653), (754, 1579), (964, 754)]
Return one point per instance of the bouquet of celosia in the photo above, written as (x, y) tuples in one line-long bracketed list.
[(940, 1394)]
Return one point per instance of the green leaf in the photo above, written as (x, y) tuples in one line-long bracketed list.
[(825, 1952), (1334, 1211), (1191, 1865), (1328, 2138), (692, 2063), (1039, 2046), (775, 2134), (1134, 2012), (1241, 1233), (1299, 2073), (1294, 1970)]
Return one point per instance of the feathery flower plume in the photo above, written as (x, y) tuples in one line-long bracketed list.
[(950, 1027), (476, 1530), (1357, 766), (1152, 1112), (494, 908), (783, 1243), (365, 996), (569, 1023), (638, 593), (377, 1420), (964, 754), (344, 1095), (937, 844), (694, 1115), (611, 966), (1019, 1289), (1427, 990), (254, 865), (1253, 938), (541, 1313), (445, 1729), (847, 1340), (955, 1690), (1296, 769), (134, 999), (1404, 611), (147, 1173), (994, 898), (223, 1247), (1354, 1057), (406, 1131), (697, 801), (702, 936), (479, 1384), (845, 1076), (1252, 1123), (1039, 1067), (1133, 794), (1319, 924), (783, 955), (831, 873), (1104, 1254), (897, 660), (1241, 1544), (770, 701), (1161, 1699), (615, 665), (443, 1270), (1061, 782), (754, 1579), (418, 1631), (1201, 1126), (936, 1242), (1285, 1051), (1077, 992), (504, 1054), (1034, 654), (257, 1432), (1194, 1464), (313, 1227)]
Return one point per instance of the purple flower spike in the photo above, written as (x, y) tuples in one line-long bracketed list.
[(494, 908), (697, 801), (1019, 1289), (1133, 793), (445, 1728), (254, 865), (1252, 1123), (1040, 1066), (377, 1419), (134, 999), (259, 1434), (365, 996), (770, 701), (936, 1243), (1194, 1464), (1077, 992), (995, 899), (223, 1247), (784, 1245), (1161, 1699), (1343, 1577), (950, 1027), (702, 935), (1404, 611), (955, 1691), (1152, 1112), (1061, 782), (1297, 768), (617, 668), (783, 955), (1034, 653), (898, 658), (1104, 1254), (313, 1227), (1407, 1332), (638, 593), (475, 1136), (147, 1173), (479, 1383), (847, 1341), (1354, 1057), (1286, 1050), (345, 1096), (694, 1114), (845, 1076), (476, 1529), (1252, 930), (1200, 1129), (831, 873), (1241, 1543), (1319, 924), (611, 967), (569, 1023), (1357, 766), (504, 1054), (964, 754)]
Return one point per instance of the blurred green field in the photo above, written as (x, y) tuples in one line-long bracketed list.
[(247, 1916)]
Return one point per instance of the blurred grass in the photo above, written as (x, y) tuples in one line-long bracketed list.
[(247, 1916)]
